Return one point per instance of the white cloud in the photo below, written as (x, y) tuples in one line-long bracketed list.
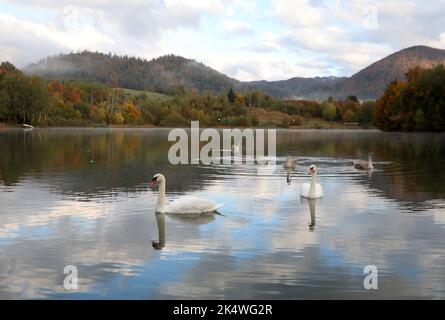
[(279, 38), (263, 66), (136, 28), (298, 13), (237, 27)]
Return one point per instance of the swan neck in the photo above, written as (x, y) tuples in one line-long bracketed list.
[(370, 166), (160, 219), (313, 184), (160, 204)]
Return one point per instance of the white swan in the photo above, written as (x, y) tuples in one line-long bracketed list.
[(185, 205), (314, 189), (363, 164)]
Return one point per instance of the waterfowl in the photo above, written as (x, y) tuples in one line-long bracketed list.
[(184, 205), (312, 190), (364, 164), (290, 163)]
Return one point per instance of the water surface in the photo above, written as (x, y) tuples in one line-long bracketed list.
[(81, 197)]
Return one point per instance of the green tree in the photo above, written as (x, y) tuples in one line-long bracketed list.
[(39, 100), (83, 108), (350, 116), (352, 98), (97, 115), (329, 111), (365, 114), (4, 104), (420, 121), (231, 96)]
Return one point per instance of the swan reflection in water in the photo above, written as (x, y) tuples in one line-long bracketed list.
[(160, 221), (288, 177), (369, 173), (195, 219), (311, 203)]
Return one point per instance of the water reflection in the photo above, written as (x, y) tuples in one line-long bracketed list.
[(160, 222), (192, 219), (71, 196), (311, 203), (288, 177), (199, 218), (85, 162)]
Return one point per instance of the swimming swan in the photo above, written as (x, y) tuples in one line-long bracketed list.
[(314, 189), (363, 164), (289, 163), (185, 205)]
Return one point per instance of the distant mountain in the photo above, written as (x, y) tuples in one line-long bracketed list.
[(369, 83), (297, 88), (133, 73), (372, 81), (162, 73)]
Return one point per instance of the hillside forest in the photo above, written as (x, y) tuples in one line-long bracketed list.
[(414, 105)]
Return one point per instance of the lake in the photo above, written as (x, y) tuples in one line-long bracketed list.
[(81, 197)]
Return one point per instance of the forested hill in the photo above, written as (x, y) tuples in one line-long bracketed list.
[(371, 82), (169, 72), (158, 75)]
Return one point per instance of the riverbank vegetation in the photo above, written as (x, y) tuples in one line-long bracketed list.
[(417, 104), (33, 100), (25, 99)]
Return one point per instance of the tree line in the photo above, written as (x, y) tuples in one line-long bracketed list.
[(33, 100), (415, 104)]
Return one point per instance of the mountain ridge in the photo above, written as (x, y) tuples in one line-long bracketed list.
[(163, 73)]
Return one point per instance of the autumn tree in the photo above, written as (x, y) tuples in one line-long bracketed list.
[(385, 112), (415, 105)]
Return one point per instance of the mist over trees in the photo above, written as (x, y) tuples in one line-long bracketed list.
[(158, 74)]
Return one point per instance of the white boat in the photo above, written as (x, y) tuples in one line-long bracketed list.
[(27, 126)]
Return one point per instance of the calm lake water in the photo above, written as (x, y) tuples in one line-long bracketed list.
[(81, 197)]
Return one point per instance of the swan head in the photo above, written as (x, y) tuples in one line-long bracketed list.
[(157, 178), (312, 169)]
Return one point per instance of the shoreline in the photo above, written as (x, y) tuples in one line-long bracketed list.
[(333, 126)]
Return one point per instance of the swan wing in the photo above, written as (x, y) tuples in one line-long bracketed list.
[(290, 164), (304, 192), (319, 190), (191, 205), (362, 164), (305, 187)]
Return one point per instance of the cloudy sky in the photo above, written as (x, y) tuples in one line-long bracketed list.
[(248, 40)]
